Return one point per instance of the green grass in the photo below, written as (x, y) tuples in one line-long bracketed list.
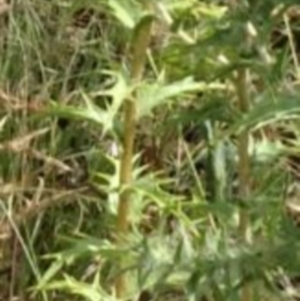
[(63, 92)]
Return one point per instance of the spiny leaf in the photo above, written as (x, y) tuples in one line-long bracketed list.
[(119, 92), (269, 109), (80, 288), (150, 96), (89, 112)]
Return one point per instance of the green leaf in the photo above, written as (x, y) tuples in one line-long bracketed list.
[(127, 12), (49, 274), (144, 22), (180, 5), (119, 92), (80, 288), (269, 109), (150, 96), (89, 112)]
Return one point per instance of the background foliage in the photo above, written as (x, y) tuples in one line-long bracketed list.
[(214, 192)]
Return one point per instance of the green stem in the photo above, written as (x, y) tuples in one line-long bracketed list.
[(244, 164), (243, 139), (139, 54)]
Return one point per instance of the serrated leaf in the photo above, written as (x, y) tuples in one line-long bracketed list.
[(268, 110), (79, 288), (100, 116), (150, 96), (89, 112), (119, 92)]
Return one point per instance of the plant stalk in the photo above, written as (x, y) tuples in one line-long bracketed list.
[(243, 164), (139, 48)]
